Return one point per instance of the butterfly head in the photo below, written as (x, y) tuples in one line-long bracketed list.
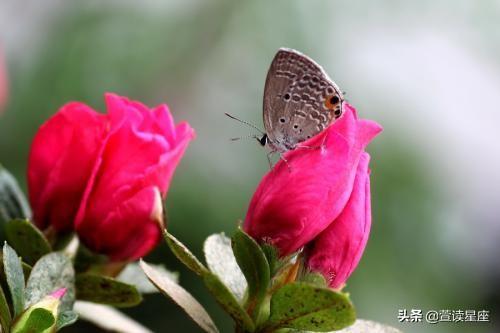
[(280, 146), (263, 140)]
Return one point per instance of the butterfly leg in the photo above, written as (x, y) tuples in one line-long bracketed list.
[(286, 162), (308, 147), (322, 145), (269, 159)]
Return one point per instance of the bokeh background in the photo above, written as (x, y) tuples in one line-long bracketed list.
[(428, 71)]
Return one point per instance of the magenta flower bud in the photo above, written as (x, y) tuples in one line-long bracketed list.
[(105, 175), (298, 200), (337, 250)]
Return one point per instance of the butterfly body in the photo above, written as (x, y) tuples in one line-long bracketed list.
[(300, 100)]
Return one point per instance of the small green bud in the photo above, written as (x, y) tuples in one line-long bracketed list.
[(40, 317)]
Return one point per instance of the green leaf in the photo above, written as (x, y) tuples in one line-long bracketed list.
[(52, 272), (305, 307), (106, 290), (218, 289), (180, 296), (221, 261), (254, 266), (13, 203), (27, 240), (38, 321), (184, 255), (26, 269), (66, 318), (133, 274), (227, 301), (15, 278), (5, 316)]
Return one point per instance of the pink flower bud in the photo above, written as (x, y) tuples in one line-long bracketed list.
[(50, 303), (105, 175), (59, 293), (336, 251), (298, 200)]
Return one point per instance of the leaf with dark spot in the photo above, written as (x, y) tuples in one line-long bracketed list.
[(27, 240), (303, 306), (106, 290)]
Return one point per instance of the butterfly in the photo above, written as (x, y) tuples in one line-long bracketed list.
[(300, 101)]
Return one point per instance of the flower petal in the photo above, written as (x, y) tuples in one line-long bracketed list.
[(138, 154), (127, 232), (61, 159), (337, 250)]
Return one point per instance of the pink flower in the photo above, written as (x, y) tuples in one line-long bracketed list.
[(293, 204), (3, 82), (337, 250), (105, 175)]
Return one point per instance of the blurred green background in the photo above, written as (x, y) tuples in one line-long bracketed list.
[(428, 71)]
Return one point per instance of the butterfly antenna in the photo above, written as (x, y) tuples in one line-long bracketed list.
[(244, 122), (252, 136)]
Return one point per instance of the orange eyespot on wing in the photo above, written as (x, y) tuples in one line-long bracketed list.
[(331, 102)]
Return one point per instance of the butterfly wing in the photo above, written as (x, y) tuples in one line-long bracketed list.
[(300, 100)]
